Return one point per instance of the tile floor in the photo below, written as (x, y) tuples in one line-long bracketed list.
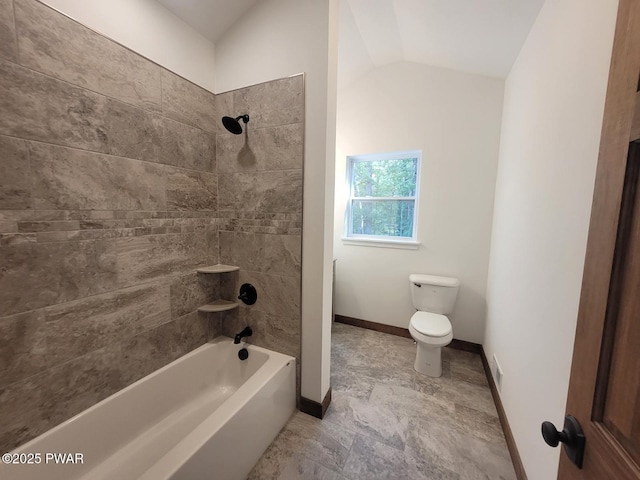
[(388, 422)]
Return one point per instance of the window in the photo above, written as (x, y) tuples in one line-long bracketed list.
[(383, 194)]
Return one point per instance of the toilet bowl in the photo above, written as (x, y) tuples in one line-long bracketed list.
[(433, 297), (431, 331)]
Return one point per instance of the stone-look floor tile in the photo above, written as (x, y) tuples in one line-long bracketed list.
[(23, 346), (444, 437), (39, 275), (374, 421), (188, 103), (301, 468), (279, 102), (277, 148), (410, 403), (268, 192), (83, 57), (468, 394), (193, 290), (481, 460), (319, 441), (155, 256), (479, 424), (38, 107), (66, 179), (189, 190), (371, 459), (8, 46), (76, 328), (274, 254), (187, 147), (469, 375), (15, 188), (469, 360)]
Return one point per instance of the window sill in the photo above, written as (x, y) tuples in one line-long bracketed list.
[(366, 242)]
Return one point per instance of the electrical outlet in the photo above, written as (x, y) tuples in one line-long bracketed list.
[(497, 372)]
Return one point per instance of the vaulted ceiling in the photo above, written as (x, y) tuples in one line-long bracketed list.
[(476, 36)]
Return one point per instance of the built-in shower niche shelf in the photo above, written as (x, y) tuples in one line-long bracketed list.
[(219, 268), (218, 306)]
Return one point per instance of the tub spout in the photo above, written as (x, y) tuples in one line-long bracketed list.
[(247, 332)]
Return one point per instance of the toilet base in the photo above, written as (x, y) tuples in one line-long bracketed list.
[(428, 361)]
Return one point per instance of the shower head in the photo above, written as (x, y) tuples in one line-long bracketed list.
[(233, 125)]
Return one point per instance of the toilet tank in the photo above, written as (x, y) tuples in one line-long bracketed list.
[(434, 294)]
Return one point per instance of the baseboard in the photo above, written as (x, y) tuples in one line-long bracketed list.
[(314, 408), (378, 327), (403, 332), (508, 435)]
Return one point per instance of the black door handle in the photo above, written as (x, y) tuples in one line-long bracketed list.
[(571, 435)]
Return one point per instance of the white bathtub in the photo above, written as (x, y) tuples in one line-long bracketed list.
[(208, 415)]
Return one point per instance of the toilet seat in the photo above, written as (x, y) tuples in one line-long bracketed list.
[(431, 324)]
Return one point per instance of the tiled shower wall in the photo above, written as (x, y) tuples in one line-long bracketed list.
[(108, 203), (260, 205)]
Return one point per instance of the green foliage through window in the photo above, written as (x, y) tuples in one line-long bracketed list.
[(383, 193)]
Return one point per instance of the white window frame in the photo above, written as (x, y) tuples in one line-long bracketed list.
[(349, 238)]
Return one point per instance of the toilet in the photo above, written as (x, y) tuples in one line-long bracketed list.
[(434, 297)]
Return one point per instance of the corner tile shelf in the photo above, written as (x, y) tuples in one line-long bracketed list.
[(218, 305), (219, 268)]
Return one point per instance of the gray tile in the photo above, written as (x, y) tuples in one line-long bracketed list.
[(8, 46), (190, 291), (187, 103), (39, 275), (410, 403), (371, 459), (131, 131), (299, 467), (479, 424), (277, 148), (76, 328), (470, 395), (277, 295), (15, 188), (279, 102), (278, 191), (154, 256), (274, 254), (23, 346), (319, 441), (481, 460), (186, 146), (66, 178), (83, 57), (375, 421), (74, 386), (22, 415), (466, 374), (189, 190), (274, 332), (41, 108), (224, 108)]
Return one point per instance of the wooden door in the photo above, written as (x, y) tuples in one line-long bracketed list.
[(604, 390)]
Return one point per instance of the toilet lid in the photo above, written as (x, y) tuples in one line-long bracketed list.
[(431, 324)]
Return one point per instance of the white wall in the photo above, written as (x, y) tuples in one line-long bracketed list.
[(151, 30), (274, 39), (454, 118), (554, 101)]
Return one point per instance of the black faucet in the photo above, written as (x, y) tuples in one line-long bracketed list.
[(247, 332)]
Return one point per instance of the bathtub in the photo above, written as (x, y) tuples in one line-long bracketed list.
[(207, 415)]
